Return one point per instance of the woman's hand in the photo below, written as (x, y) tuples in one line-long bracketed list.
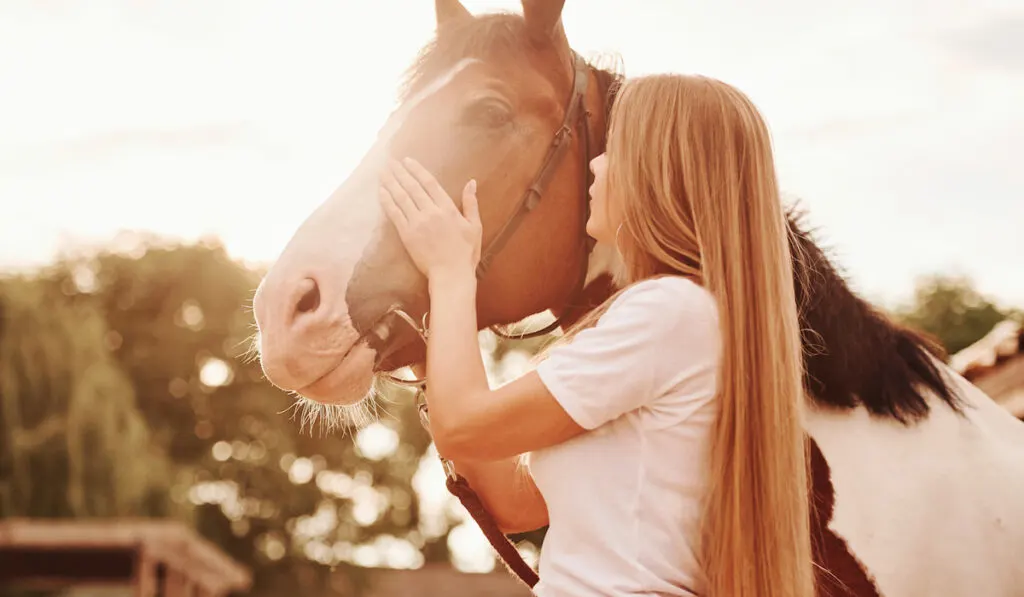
[(436, 234)]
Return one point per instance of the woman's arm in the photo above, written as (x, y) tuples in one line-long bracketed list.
[(469, 420), (507, 491)]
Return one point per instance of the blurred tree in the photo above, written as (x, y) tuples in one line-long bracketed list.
[(952, 310), (284, 500), (72, 440)]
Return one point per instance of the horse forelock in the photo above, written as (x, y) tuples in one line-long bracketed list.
[(490, 37), (486, 37)]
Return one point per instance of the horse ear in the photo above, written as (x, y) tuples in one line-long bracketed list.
[(544, 21), (449, 11)]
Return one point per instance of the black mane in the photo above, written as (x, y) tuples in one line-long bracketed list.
[(854, 354)]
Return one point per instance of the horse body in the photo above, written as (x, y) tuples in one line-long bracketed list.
[(918, 476), (931, 508)]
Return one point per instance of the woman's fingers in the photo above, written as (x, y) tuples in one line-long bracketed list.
[(391, 209), (412, 186), (429, 184), (470, 207), (397, 192)]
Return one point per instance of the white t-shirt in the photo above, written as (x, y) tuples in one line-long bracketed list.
[(624, 498)]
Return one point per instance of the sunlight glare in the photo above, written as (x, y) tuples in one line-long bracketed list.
[(301, 471), (221, 451), (435, 503), (377, 441), (215, 373), (469, 548)]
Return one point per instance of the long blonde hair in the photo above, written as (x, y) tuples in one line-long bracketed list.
[(691, 173)]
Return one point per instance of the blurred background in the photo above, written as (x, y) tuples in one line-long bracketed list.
[(155, 156)]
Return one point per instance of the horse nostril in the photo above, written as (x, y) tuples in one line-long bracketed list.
[(309, 296)]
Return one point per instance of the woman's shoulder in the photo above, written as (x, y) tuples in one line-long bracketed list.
[(668, 309), (670, 296)]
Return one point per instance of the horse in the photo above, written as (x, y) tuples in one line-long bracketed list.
[(917, 475)]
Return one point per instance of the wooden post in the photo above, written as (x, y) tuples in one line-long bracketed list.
[(144, 576), (176, 583), (151, 558)]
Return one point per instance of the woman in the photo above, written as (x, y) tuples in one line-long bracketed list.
[(665, 439)]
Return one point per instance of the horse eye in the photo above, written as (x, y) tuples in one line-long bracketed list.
[(490, 113)]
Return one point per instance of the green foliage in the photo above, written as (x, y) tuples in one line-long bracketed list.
[(952, 310), (163, 333), (72, 440)]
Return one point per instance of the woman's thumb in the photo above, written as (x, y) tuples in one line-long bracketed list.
[(470, 207)]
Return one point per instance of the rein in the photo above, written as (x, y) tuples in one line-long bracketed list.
[(458, 485), (575, 114)]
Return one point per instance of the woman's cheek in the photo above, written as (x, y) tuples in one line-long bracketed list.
[(594, 227), (599, 225)]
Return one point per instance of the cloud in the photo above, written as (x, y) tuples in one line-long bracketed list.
[(27, 161), (996, 43)]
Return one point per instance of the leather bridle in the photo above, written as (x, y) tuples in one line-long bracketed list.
[(576, 115)]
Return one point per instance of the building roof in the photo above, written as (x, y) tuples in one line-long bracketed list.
[(172, 543), (996, 365), (1003, 342)]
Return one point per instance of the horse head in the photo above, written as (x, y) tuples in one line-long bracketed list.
[(486, 99)]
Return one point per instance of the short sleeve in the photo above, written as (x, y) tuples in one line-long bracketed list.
[(654, 335)]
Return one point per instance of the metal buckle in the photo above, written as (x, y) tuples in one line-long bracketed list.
[(562, 134), (424, 412), (449, 468), (423, 332), (420, 328), (421, 406)]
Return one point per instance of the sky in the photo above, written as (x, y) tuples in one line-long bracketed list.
[(897, 123)]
